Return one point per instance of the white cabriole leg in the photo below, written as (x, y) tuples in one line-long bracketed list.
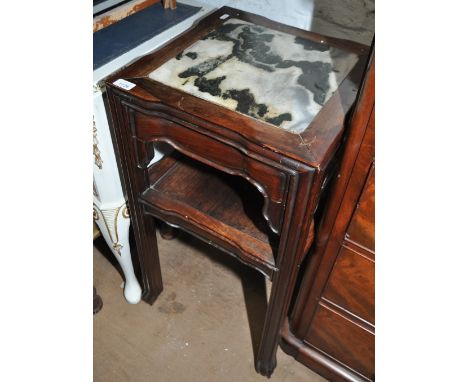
[(114, 225)]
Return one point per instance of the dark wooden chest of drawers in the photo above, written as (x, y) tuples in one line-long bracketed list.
[(331, 326)]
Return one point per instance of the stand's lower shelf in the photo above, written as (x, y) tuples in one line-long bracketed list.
[(214, 206)]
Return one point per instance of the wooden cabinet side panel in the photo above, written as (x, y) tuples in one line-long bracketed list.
[(343, 340), (358, 134), (361, 230), (351, 284), (301, 318)]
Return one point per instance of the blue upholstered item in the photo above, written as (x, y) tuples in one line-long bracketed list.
[(126, 34)]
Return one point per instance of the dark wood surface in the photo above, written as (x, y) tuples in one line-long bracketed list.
[(331, 326), (361, 229), (267, 176), (342, 339), (214, 204), (237, 183), (356, 273)]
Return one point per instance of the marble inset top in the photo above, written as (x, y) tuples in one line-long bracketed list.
[(272, 76)]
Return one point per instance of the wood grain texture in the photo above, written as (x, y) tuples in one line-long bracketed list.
[(315, 359), (351, 284), (361, 230), (227, 207), (343, 340), (266, 176)]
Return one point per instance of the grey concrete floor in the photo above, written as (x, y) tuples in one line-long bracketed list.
[(348, 19), (203, 327)]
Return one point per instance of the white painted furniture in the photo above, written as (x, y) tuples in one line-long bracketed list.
[(110, 211)]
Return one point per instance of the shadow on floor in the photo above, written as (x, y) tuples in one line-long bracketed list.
[(253, 284)]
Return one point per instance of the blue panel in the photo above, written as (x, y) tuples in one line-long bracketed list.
[(126, 34)]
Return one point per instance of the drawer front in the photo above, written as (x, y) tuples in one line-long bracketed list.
[(351, 284), (343, 340), (361, 229), (271, 181)]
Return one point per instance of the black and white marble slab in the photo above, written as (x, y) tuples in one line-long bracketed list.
[(275, 77)]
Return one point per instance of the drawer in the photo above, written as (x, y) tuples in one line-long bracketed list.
[(361, 229), (343, 340), (269, 180), (352, 284)]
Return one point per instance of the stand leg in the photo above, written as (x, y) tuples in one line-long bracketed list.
[(168, 232), (114, 225), (297, 236), (277, 308), (135, 178), (147, 248)]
